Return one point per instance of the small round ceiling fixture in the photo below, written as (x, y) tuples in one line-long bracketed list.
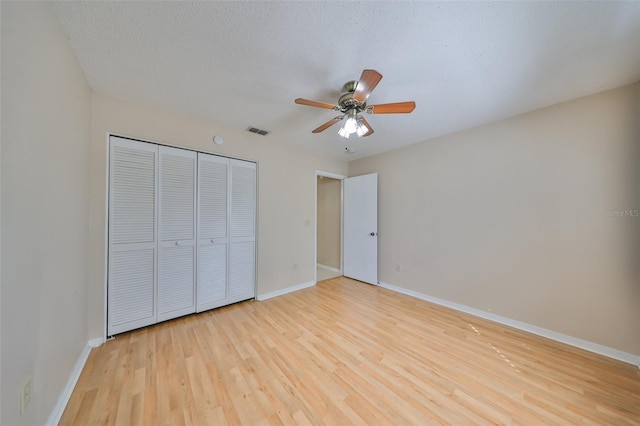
[(218, 140)]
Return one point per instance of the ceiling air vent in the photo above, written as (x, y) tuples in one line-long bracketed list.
[(258, 131)]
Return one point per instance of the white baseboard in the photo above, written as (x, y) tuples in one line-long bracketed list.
[(559, 337), (285, 291), (329, 268), (63, 399), (94, 343)]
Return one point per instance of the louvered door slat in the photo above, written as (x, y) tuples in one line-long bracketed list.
[(241, 271), (176, 295), (243, 199), (132, 195), (213, 179), (212, 276), (131, 289), (177, 194)]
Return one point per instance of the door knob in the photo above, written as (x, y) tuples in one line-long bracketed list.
[(373, 234)]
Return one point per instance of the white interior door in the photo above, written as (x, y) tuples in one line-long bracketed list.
[(177, 233), (242, 232), (132, 235), (361, 228), (213, 231)]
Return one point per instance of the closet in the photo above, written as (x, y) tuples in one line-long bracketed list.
[(181, 233)]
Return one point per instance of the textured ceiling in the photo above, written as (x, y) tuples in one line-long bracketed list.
[(243, 63)]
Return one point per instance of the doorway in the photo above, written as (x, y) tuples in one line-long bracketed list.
[(328, 226)]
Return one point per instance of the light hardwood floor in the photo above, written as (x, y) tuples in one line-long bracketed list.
[(345, 352)]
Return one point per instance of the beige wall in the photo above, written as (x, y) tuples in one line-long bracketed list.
[(45, 200), (329, 218), (511, 218), (286, 180)]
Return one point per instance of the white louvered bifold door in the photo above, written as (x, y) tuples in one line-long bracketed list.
[(242, 245), (131, 299), (176, 233), (213, 231)]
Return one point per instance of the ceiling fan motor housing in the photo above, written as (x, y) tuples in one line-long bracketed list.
[(350, 86), (346, 101)]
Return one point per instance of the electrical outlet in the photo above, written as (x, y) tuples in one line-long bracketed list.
[(398, 267), (25, 397)]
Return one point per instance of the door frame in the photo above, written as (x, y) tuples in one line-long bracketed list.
[(341, 178)]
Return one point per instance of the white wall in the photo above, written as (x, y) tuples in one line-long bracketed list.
[(45, 157), (286, 191), (511, 218)]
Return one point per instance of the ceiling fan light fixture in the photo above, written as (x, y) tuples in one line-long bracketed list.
[(362, 129), (351, 125)]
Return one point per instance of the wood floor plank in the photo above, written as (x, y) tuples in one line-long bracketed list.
[(344, 352)]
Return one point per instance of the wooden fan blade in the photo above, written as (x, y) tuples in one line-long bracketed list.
[(368, 81), (328, 124), (366, 123), (394, 108), (307, 102)]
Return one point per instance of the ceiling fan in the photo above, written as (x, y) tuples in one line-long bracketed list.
[(354, 102)]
